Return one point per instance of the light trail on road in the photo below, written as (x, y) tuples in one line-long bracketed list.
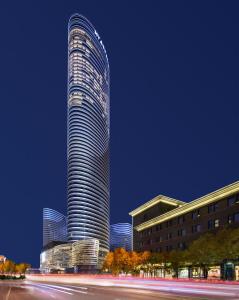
[(117, 290)]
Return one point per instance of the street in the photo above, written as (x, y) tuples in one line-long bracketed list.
[(120, 290)]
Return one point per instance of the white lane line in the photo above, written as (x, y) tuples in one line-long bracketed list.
[(51, 288), (75, 286), (67, 289), (62, 288), (8, 294)]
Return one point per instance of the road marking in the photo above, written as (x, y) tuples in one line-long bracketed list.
[(8, 294), (67, 289), (61, 288), (76, 286), (54, 289)]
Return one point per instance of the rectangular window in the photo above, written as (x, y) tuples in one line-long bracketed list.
[(196, 228), (169, 235), (195, 214), (230, 219), (216, 223), (210, 224), (169, 223), (182, 245), (236, 217), (182, 232), (159, 239), (213, 207), (169, 248), (231, 201), (181, 220)]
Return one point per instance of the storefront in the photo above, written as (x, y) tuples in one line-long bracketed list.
[(214, 272), (236, 272), (196, 272), (183, 273), (229, 270)]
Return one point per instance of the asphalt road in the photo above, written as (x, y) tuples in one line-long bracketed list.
[(163, 290)]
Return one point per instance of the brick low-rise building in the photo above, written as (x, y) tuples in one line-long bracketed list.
[(163, 224)]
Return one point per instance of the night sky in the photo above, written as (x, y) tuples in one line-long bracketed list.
[(174, 106)]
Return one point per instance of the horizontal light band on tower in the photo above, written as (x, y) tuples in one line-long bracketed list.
[(88, 134), (54, 226), (121, 236)]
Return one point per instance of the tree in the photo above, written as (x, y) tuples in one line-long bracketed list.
[(203, 252), (177, 259), (133, 262), (8, 266), (108, 262), (21, 268), (1, 268), (227, 244)]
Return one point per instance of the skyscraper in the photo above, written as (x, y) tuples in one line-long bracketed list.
[(88, 134), (54, 227), (121, 236)]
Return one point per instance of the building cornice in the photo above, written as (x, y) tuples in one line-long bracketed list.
[(154, 201), (195, 204)]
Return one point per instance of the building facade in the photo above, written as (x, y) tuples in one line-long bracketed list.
[(80, 256), (2, 259), (121, 236), (54, 227), (88, 134), (164, 224)]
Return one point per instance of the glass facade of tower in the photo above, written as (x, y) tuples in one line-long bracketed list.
[(54, 227), (121, 236), (88, 134)]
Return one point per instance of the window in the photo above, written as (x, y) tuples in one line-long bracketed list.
[(196, 228), (195, 214), (231, 201), (169, 223), (233, 218), (181, 245), (236, 217), (182, 232), (159, 239), (149, 231), (181, 220), (169, 248), (158, 227), (145, 216), (169, 235), (210, 224), (159, 249), (212, 207), (230, 219), (216, 223)]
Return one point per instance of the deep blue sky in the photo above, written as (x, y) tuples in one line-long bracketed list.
[(174, 106)]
